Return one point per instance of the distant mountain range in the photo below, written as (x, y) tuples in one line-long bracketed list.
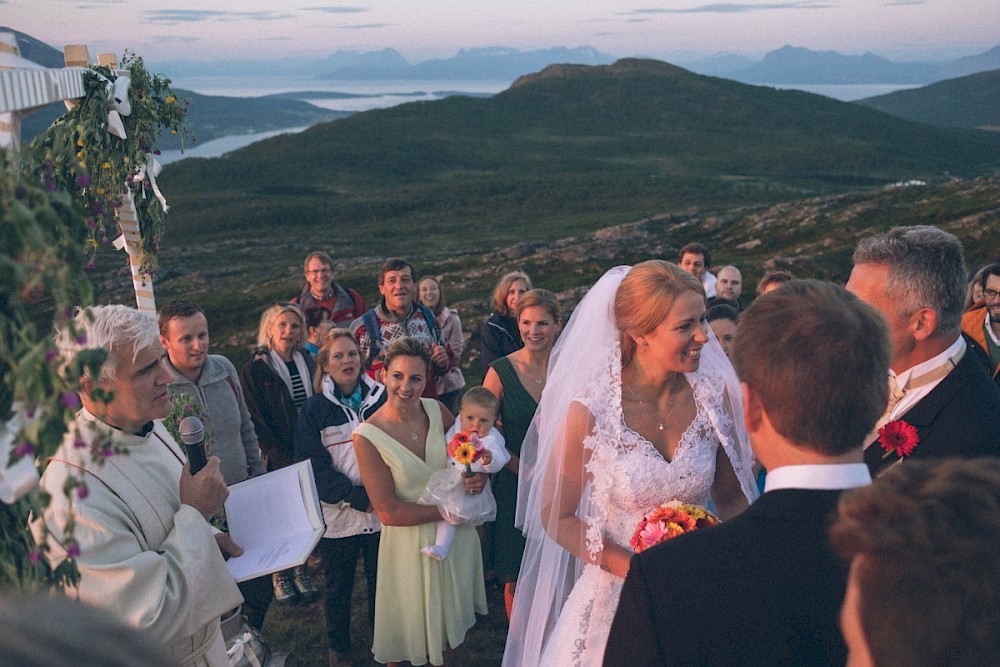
[(787, 65), (791, 65), (483, 64)]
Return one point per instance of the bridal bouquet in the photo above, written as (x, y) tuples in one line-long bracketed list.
[(466, 449), (667, 522)]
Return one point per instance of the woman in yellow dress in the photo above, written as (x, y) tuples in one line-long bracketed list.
[(423, 607)]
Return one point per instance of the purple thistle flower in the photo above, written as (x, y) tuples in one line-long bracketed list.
[(20, 191), (81, 492), (69, 400), (73, 550), (35, 556), (51, 354), (90, 266), (107, 452), (83, 180), (24, 449), (81, 339), (79, 443)]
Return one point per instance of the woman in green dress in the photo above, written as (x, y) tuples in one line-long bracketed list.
[(423, 607), (517, 381)]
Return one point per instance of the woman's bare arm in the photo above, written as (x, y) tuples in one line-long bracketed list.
[(559, 511), (493, 383), (381, 490)]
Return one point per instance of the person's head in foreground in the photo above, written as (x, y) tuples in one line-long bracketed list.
[(819, 376), (924, 544)]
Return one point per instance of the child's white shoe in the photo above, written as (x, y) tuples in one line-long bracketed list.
[(434, 551)]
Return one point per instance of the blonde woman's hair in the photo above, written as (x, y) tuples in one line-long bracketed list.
[(273, 313), (323, 355), (645, 296), (500, 293)]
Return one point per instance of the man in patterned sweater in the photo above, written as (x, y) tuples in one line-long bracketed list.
[(396, 316)]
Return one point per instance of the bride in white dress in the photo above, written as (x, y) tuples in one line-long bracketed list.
[(641, 406)]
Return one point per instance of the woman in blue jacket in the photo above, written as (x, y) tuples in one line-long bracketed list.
[(344, 397)]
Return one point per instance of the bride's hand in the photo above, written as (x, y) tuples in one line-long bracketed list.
[(615, 559)]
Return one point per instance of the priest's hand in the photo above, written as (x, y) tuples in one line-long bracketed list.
[(206, 491), (227, 546)]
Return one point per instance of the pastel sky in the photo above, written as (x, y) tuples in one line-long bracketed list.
[(422, 29)]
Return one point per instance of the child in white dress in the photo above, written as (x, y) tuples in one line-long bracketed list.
[(477, 414)]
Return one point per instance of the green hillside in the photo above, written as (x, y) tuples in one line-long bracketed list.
[(566, 151), (970, 101)]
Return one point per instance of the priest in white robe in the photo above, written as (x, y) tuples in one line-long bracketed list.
[(142, 541)]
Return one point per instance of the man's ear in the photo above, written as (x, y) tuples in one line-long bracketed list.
[(86, 386), (923, 324), (163, 341), (752, 408)]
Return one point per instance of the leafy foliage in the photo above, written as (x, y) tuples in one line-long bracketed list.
[(79, 155), (41, 280)]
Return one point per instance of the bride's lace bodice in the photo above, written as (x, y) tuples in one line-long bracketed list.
[(629, 477)]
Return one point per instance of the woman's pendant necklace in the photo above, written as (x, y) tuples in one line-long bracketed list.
[(643, 403), (413, 436)]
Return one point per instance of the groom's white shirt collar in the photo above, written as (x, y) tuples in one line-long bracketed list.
[(823, 477)]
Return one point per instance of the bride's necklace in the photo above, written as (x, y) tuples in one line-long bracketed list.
[(642, 403)]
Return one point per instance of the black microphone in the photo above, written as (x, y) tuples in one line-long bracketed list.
[(193, 436)]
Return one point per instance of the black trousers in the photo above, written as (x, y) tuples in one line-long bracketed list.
[(340, 560), (257, 596)]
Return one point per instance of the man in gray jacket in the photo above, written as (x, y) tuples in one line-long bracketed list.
[(209, 383)]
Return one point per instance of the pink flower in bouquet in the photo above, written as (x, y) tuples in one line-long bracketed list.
[(667, 522)]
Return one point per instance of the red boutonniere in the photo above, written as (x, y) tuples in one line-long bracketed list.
[(899, 437)]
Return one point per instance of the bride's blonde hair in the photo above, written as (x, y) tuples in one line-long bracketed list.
[(645, 296)]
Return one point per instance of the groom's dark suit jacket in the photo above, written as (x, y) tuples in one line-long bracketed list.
[(763, 588), (959, 417)]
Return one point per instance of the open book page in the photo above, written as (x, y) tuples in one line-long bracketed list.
[(275, 519)]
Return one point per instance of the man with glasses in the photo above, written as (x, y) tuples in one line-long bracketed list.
[(982, 322), (942, 402), (345, 305)]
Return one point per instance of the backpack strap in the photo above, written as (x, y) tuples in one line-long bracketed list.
[(431, 323), (374, 332), (359, 303)]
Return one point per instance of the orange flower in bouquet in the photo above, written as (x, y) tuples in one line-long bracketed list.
[(465, 448), (667, 522)]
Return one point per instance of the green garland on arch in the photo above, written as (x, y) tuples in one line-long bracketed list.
[(79, 155)]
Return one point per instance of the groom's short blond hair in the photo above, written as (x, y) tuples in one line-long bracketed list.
[(818, 358)]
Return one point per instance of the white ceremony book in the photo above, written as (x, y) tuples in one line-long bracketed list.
[(276, 519)]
